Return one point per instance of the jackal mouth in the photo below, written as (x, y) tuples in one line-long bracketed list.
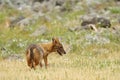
[(60, 53), (64, 52)]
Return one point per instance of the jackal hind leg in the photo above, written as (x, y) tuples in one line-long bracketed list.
[(46, 61), (41, 64), (33, 65), (40, 61)]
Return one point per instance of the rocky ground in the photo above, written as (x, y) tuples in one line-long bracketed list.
[(100, 12)]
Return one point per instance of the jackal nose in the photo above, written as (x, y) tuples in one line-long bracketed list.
[(64, 52)]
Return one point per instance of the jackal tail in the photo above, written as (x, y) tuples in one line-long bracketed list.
[(31, 57)]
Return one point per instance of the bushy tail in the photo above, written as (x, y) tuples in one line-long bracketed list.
[(31, 57)]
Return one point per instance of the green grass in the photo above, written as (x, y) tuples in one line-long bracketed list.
[(115, 10), (17, 40)]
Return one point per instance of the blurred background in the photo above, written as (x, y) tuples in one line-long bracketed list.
[(86, 27)]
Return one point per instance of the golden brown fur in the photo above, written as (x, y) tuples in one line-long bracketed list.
[(36, 52), (34, 55)]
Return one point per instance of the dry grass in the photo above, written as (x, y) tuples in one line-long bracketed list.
[(67, 67)]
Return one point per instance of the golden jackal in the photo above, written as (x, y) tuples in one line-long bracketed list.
[(36, 52)]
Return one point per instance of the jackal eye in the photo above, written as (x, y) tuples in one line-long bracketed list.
[(61, 47)]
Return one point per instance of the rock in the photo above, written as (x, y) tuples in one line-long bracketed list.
[(103, 22), (96, 39), (38, 1), (24, 22), (91, 18), (78, 28), (117, 0), (1, 2), (78, 7), (8, 3), (21, 21), (12, 3), (36, 16), (85, 23), (67, 6), (92, 26), (43, 7), (91, 2), (14, 20), (96, 20), (42, 30), (41, 16), (36, 7), (14, 57), (59, 2), (16, 4)]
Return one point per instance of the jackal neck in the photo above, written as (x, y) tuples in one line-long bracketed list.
[(48, 47)]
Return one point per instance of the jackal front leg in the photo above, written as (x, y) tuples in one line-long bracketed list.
[(46, 61)]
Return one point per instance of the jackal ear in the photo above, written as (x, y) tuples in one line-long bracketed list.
[(54, 40)]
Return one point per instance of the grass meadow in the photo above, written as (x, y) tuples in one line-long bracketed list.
[(67, 67)]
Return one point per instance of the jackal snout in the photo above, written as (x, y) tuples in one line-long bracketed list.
[(58, 46)]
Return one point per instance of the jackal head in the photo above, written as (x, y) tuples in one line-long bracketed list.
[(57, 46)]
